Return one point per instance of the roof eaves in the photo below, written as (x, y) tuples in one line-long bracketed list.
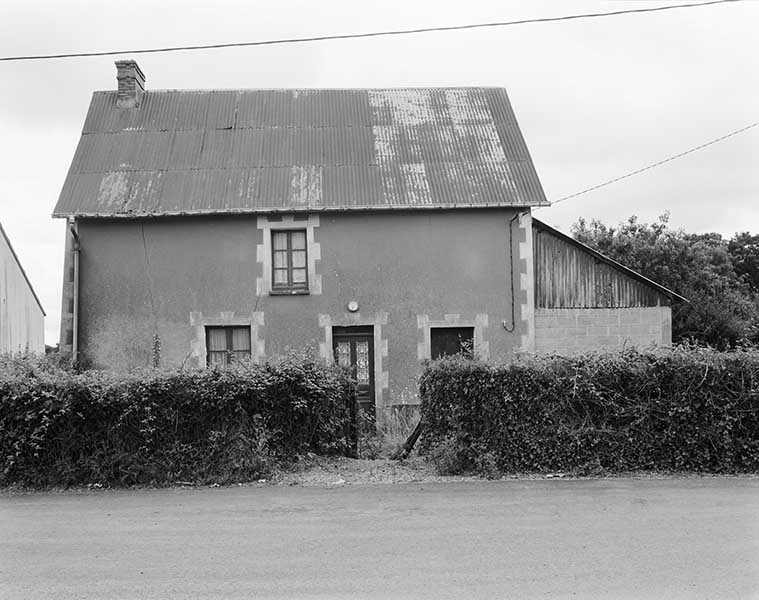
[(18, 262), (609, 261), (295, 209)]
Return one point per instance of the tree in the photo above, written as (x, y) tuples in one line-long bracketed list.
[(744, 250), (723, 309)]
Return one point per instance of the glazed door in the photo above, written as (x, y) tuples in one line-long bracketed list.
[(354, 348)]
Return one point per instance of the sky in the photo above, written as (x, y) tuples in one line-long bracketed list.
[(595, 98)]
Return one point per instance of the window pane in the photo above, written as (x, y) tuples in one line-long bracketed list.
[(241, 339), (280, 260), (362, 361), (217, 339), (299, 276), (298, 240), (299, 259), (446, 341), (343, 354), (279, 240), (280, 276)]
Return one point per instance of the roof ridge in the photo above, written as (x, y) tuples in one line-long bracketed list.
[(316, 89)]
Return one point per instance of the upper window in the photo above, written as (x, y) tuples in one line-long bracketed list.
[(289, 262), (226, 345), (446, 341)]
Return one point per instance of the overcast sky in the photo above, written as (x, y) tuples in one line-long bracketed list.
[(595, 98)]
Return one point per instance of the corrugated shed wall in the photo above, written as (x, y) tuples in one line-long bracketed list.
[(22, 324), (566, 276)]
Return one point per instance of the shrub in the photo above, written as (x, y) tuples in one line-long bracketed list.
[(58, 427), (686, 409)]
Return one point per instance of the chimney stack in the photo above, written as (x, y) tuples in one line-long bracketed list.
[(131, 83)]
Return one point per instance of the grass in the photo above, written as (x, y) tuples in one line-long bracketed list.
[(389, 434)]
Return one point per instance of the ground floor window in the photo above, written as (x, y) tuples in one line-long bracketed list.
[(226, 345), (446, 341)]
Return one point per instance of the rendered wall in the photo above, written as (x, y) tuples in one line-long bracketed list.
[(22, 322), (571, 330), (408, 271)]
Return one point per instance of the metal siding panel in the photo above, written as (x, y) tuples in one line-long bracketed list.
[(173, 197), (245, 149), (275, 186), (359, 185), (98, 113), (185, 148), (221, 110), (192, 110), (216, 150), (83, 155), (152, 150), (308, 145), (527, 184)]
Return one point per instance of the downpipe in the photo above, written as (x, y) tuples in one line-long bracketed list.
[(75, 310)]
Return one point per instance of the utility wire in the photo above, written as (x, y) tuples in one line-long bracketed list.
[(656, 164), (370, 34)]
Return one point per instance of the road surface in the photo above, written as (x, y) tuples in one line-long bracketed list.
[(612, 538)]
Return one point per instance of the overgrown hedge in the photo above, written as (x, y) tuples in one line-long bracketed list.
[(58, 427), (684, 409)]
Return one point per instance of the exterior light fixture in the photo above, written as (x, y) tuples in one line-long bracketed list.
[(352, 306)]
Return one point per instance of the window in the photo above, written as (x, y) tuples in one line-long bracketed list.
[(289, 270), (226, 345), (445, 341)]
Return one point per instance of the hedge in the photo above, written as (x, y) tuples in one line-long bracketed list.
[(685, 409), (61, 428)]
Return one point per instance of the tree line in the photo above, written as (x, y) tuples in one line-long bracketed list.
[(718, 276)]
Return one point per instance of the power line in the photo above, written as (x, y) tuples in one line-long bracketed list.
[(370, 34), (656, 164)]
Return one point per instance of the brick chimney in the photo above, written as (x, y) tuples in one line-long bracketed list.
[(131, 84)]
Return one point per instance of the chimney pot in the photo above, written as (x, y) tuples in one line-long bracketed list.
[(131, 84)]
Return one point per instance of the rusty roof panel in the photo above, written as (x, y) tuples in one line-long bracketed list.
[(351, 186), (221, 109), (258, 150)]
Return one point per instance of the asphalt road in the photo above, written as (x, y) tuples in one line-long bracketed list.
[(614, 538)]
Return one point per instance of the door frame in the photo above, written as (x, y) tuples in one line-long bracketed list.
[(363, 332), (378, 321)]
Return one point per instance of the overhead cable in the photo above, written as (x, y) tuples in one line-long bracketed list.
[(656, 164), (370, 34)]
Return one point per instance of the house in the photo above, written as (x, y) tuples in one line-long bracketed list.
[(22, 318), (379, 227)]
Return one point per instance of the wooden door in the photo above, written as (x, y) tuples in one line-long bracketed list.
[(354, 348)]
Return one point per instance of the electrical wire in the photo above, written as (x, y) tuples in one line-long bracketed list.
[(370, 34), (656, 164)]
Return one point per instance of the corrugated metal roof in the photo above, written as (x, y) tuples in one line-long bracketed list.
[(186, 152)]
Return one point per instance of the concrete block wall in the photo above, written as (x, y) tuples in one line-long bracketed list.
[(575, 330)]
